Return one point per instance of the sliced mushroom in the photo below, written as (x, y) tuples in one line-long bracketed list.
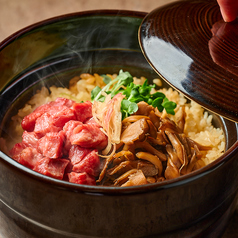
[(123, 178), (118, 146), (199, 164), (125, 125), (144, 108), (191, 165), (129, 147), (150, 149), (155, 119), (160, 139), (135, 179), (160, 179), (187, 169), (178, 146), (123, 156), (122, 167), (134, 118), (118, 160), (169, 125), (187, 145), (136, 131), (152, 159), (173, 164), (181, 118), (126, 153), (200, 147), (171, 170), (104, 169), (152, 129), (173, 156), (151, 179), (164, 136), (147, 168), (158, 113)]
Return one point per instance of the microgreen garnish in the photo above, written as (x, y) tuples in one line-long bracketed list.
[(95, 92), (128, 108), (134, 93), (106, 79)]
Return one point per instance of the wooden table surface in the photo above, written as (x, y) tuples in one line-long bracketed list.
[(17, 14)]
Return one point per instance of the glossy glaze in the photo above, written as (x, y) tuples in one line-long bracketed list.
[(33, 205), (192, 48)]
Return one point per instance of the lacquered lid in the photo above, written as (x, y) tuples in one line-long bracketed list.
[(190, 46)]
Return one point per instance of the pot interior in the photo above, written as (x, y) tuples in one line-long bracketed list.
[(60, 72)]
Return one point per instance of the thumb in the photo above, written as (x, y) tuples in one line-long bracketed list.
[(229, 9)]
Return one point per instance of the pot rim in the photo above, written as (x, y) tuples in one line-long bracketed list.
[(100, 12)]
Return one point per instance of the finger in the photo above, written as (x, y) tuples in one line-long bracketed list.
[(229, 9)]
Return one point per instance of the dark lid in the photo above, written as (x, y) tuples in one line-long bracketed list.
[(196, 52)]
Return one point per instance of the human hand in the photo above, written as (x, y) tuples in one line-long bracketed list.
[(229, 9), (223, 45)]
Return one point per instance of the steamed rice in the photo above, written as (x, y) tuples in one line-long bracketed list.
[(198, 124)]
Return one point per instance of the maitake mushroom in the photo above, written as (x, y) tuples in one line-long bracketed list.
[(152, 148)]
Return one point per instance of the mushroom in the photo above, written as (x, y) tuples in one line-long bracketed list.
[(117, 159), (160, 139), (148, 169), (122, 167), (150, 149), (178, 146), (155, 119), (134, 118), (104, 169), (152, 159), (152, 129), (158, 113), (124, 177), (181, 118), (135, 179), (151, 179), (173, 164), (187, 145), (118, 146), (129, 147), (173, 156), (191, 165), (125, 153), (171, 170), (200, 147), (160, 179), (135, 131), (144, 108), (169, 125)]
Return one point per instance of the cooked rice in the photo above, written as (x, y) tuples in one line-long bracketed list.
[(198, 123)]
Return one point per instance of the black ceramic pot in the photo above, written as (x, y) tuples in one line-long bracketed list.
[(32, 205)]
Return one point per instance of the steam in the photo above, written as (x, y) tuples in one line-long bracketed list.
[(53, 54)]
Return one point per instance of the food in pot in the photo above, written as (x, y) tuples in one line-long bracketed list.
[(114, 130)]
